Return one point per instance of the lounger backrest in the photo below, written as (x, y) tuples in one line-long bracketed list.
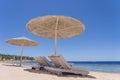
[(43, 61), (55, 61), (64, 63), (59, 61)]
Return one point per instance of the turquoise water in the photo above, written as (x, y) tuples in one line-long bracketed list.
[(113, 67)]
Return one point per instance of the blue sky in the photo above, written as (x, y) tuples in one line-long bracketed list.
[(99, 42)]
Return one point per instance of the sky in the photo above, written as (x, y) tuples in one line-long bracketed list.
[(99, 42)]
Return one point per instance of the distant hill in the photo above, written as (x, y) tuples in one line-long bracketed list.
[(14, 57)]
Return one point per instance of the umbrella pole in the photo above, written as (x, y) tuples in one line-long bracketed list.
[(55, 43), (55, 46), (21, 56)]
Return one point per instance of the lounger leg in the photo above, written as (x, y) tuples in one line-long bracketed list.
[(83, 75), (59, 73)]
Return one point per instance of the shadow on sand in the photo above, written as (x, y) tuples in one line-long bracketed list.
[(13, 65), (46, 72), (64, 75)]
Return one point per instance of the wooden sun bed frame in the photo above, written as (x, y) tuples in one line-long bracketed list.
[(60, 66), (43, 61), (64, 67)]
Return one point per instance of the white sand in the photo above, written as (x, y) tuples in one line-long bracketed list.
[(18, 73)]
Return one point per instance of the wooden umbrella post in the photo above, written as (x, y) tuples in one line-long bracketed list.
[(21, 55), (55, 45)]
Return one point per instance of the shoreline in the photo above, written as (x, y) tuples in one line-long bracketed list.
[(12, 63), (10, 72), (31, 64), (106, 72)]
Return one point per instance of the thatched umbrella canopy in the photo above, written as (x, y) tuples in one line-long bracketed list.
[(22, 41), (55, 27)]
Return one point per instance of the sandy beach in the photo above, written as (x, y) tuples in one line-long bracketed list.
[(10, 72)]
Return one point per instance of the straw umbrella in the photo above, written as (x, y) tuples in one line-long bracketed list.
[(22, 41), (55, 27)]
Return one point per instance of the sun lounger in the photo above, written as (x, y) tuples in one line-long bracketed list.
[(60, 71), (59, 61), (42, 62), (63, 66), (60, 66)]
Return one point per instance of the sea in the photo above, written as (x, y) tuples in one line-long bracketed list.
[(101, 66)]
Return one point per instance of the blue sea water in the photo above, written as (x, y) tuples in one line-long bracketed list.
[(104, 66)]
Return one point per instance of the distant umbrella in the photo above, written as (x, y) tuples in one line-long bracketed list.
[(55, 27), (22, 41)]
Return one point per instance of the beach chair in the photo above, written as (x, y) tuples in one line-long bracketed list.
[(65, 67), (43, 61)]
